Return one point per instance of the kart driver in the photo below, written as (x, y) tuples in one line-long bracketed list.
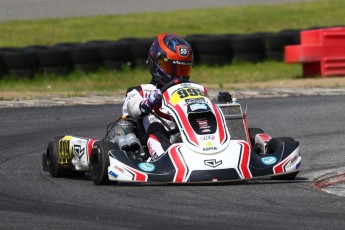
[(169, 57)]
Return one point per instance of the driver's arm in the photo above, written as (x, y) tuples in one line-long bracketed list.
[(137, 105), (133, 106)]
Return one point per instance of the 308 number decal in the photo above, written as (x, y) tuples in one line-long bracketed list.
[(190, 92)]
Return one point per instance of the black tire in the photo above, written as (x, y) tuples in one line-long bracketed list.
[(214, 60), (210, 44), (116, 55), (252, 134), (248, 48), (249, 57), (275, 44), (36, 48), (139, 49), (51, 160), (247, 44), (275, 143), (99, 162), (86, 57), (55, 60), (277, 41), (119, 51), (296, 34), (3, 68), (20, 62)]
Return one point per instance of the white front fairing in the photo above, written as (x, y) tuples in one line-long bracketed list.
[(186, 101), (235, 156)]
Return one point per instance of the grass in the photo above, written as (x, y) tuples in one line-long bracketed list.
[(239, 19), (225, 20), (108, 81)]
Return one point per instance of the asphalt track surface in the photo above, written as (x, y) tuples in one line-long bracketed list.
[(34, 9), (31, 199)]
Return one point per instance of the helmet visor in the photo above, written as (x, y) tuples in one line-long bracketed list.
[(175, 68)]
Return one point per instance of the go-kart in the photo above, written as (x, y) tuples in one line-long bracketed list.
[(211, 143)]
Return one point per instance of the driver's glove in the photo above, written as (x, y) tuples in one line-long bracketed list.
[(154, 98)]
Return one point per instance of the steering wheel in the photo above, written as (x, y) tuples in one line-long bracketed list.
[(174, 82)]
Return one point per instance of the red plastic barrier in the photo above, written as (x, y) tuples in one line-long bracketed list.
[(321, 52)]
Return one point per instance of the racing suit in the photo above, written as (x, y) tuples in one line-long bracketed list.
[(156, 135)]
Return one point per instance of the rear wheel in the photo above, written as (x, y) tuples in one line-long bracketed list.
[(99, 162), (51, 157)]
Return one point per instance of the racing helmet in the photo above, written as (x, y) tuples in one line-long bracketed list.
[(169, 57)]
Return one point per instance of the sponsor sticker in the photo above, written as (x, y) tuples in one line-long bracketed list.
[(270, 160), (194, 107), (183, 50), (298, 165), (210, 149), (117, 168), (148, 167), (111, 173), (78, 150), (195, 100), (213, 163), (207, 137)]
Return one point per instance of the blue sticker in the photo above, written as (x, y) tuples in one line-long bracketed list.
[(270, 160), (298, 165), (148, 167), (111, 173)]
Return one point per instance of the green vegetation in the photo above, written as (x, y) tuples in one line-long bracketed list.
[(226, 20), (241, 19)]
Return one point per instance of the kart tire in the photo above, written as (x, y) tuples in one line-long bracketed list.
[(272, 146), (99, 162), (119, 51), (250, 57), (248, 43), (20, 62), (252, 134), (214, 60), (86, 57), (50, 160), (55, 60), (210, 44), (290, 176), (276, 142), (139, 48)]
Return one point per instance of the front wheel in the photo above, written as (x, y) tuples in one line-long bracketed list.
[(252, 134), (99, 162)]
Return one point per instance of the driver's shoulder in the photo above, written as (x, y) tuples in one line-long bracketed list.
[(141, 89)]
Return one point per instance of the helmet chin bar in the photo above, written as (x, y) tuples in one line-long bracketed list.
[(159, 77)]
